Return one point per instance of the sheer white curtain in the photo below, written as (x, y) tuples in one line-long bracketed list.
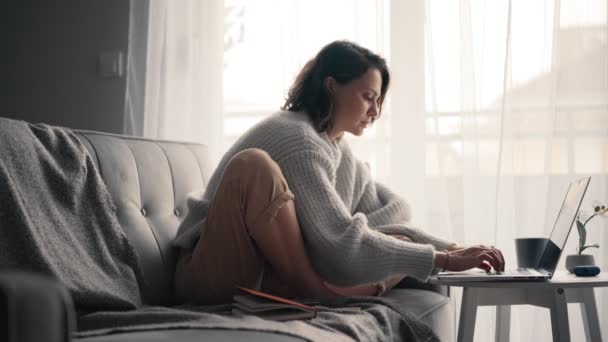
[(268, 42), (494, 106), (184, 72), (497, 105)]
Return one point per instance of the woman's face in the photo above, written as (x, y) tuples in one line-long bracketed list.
[(356, 104)]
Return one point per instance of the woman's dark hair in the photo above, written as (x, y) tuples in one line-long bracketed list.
[(344, 61)]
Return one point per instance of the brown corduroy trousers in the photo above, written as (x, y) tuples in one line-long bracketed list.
[(251, 192)]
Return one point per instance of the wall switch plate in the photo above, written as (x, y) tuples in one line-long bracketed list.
[(110, 64)]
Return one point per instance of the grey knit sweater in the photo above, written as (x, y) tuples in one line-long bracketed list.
[(344, 215)]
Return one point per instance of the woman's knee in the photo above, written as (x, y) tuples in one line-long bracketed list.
[(253, 162)]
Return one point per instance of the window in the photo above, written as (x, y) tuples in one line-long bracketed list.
[(267, 42), (553, 76)]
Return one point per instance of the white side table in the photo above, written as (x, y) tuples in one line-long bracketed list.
[(554, 294)]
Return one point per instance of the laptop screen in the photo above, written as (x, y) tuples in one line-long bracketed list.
[(563, 224)]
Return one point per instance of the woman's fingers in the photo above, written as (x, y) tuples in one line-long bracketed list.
[(484, 265), (497, 260), (485, 256), (479, 256), (491, 257), (502, 260)]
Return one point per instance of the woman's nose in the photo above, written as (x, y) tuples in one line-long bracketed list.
[(374, 111)]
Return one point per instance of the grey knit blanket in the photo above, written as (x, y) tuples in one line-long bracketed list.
[(344, 319), (57, 218)]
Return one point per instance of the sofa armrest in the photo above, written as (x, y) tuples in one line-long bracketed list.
[(413, 283), (34, 307)]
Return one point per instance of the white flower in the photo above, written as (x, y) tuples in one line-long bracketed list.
[(583, 215)]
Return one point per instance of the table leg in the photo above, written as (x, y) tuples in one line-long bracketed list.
[(503, 323), (590, 318), (559, 316), (468, 315)]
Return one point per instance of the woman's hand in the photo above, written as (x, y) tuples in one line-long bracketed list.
[(454, 247), (470, 257)]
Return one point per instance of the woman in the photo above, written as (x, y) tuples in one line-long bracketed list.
[(290, 210)]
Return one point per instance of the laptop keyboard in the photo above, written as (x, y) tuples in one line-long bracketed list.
[(524, 271), (519, 271)]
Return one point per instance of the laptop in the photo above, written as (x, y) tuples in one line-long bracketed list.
[(553, 248)]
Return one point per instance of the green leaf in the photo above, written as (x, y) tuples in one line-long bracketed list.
[(582, 233), (585, 247)]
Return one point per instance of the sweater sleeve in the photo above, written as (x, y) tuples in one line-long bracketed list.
[(389, 213), (341, 246), (416, 234), (381, 205)]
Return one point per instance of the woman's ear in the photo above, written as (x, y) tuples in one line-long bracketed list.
[(330, 84)]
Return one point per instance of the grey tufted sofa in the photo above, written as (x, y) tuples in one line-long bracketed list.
[(149, 180)]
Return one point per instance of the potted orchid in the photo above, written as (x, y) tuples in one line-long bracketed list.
[(581, 225)]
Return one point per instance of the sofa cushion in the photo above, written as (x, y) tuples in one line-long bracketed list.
[(148, 181), (433, 308)]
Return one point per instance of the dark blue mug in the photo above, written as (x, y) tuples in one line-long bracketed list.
[(529, 251)]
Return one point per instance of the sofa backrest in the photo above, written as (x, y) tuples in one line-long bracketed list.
[(149, 180)]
